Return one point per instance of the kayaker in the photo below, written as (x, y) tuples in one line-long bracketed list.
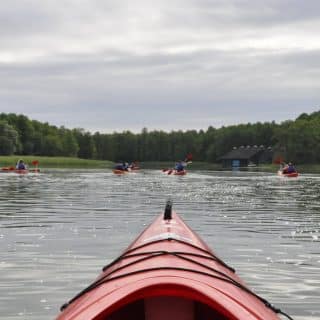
[(21, 165), (134, 165), (126, 166), (179, 166), (288, 168), (291, 168), (121, 166)]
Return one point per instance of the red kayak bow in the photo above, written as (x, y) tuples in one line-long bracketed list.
[(168, 273)]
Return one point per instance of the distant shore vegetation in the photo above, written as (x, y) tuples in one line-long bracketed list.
[(293, 140), (55, 162)]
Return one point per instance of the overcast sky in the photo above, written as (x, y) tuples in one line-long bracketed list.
[(113, 65)]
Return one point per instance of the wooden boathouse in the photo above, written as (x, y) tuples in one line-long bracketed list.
[(246, 156)]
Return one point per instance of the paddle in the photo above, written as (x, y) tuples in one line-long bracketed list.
[(35, 163), (188, 158)]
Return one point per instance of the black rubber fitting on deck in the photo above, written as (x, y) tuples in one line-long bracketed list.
[(168, 211)]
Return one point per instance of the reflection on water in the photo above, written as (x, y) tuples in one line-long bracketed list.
[(57, 230)]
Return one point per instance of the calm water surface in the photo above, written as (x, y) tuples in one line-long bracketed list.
[(58, 228)]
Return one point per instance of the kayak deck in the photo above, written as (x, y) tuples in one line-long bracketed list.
[(169, 273), (289, 175), (19, 171), (174, 172)]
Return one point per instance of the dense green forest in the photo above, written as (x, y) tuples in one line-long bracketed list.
[(297, 140)]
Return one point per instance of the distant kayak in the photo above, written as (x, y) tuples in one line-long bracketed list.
[(288, 175), (168, 273), (179, 173), (117, 171), (19, 171), (174, 172), (8, 168)]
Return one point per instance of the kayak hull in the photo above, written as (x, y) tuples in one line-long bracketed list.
[(19, 171), (174, 172), (116, 171), (169, 273), (7, 169), (288, 175), (179, 173)]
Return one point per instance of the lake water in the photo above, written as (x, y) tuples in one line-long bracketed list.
[(60, 227)]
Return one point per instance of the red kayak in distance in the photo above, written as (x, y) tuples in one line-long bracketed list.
[(19, 171), (8, 169), (134, 166), (179, 173), (174, 172), (117, 171), (122, 168), (22, 171), (168, 273), (289, 175)]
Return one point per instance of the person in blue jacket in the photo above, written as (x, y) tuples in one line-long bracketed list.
[(126, 166), (291, 168), (21, 165), (121, 166), (179, 166)]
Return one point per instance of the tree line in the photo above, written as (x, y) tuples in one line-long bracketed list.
[(295, 140)]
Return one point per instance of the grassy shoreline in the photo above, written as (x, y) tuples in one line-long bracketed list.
[(68, 162), (56, 162)]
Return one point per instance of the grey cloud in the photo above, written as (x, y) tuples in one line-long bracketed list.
[(20, 18), (211, 70), (188, 64), (259, 12)]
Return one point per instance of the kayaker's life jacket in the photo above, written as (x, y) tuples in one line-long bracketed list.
[(179, 166), (21, 166), (119, 166), (291, 169)]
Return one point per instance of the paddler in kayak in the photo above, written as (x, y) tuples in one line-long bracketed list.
[(134, 165), (180, 165), (21, 165), (289, 168), (123, 166)]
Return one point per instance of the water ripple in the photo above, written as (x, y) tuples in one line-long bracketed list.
[(57, 230)]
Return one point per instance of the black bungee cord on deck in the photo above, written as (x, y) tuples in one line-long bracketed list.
[(181, 255)]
